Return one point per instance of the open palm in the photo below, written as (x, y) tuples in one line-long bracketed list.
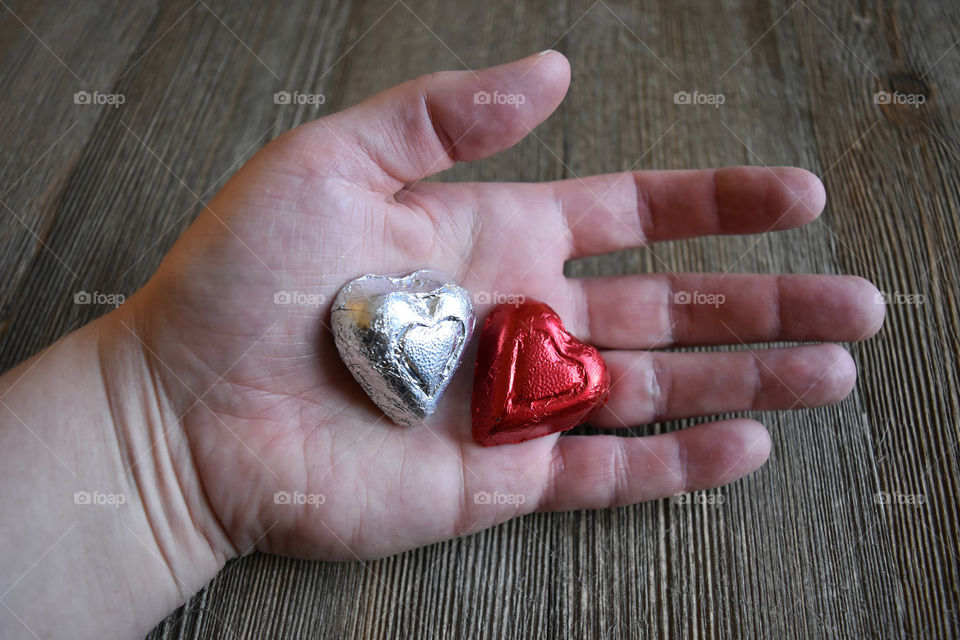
[(262, 403)]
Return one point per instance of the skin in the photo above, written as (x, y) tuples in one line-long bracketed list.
[(200, 398)]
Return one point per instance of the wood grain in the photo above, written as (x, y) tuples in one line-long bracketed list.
[(92, 198)]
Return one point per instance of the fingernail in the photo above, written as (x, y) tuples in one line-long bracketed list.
[(546, 51)]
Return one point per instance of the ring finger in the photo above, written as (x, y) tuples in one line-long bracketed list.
[(653, 386)]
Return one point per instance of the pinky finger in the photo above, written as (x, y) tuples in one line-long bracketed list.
[(593, 472)]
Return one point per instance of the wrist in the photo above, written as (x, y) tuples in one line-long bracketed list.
[(101, 518), (158, 462)]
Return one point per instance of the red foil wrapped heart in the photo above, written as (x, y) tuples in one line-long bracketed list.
[(532, 378)]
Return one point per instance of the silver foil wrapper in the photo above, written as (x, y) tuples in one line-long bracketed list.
[(402, 338)]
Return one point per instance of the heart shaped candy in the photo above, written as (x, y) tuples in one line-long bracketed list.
[(402, 338), (532, 378)]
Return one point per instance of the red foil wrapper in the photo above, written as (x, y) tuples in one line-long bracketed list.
[(532, 378)]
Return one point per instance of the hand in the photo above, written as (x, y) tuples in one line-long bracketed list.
[(255, 400)]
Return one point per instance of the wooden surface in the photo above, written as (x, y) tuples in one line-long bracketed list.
[(799, 549)]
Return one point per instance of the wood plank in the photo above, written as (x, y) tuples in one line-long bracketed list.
[(44, 133), (895, 196)]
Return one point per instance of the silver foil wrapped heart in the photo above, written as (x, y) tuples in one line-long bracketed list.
[(402, 338)]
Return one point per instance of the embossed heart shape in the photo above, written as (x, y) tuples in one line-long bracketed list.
[(402, 338), (427, 351), (533, 378)]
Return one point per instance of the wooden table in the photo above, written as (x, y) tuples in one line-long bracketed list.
[(850, 530)]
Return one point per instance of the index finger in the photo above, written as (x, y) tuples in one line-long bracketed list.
[(623, 210)]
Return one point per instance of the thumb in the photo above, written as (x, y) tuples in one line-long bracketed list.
[(424, 126)]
